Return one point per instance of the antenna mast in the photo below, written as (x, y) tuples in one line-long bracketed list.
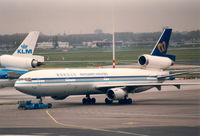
[(113, 34)]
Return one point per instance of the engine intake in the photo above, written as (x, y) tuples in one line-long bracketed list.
[(158, 62), (116, 94)]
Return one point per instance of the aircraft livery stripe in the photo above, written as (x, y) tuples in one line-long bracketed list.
[(94, 77), (86, 81)]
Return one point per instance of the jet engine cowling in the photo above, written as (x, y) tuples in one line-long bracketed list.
[(58, 97), (18, 62), (116, 94), (158, 62)]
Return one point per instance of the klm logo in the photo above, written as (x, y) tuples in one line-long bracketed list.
[(24, 50), (162, 47)]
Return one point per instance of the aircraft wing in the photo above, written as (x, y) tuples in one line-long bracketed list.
[(13, 75), (173, 75), (157, 85), (180, 72)]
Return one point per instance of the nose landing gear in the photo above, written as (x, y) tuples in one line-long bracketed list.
[(40, 99)]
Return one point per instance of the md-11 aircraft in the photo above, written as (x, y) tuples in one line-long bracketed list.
[(20, 61), (115, 83)]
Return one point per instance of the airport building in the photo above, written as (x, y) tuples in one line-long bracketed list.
[(107, 43), (49, 45)]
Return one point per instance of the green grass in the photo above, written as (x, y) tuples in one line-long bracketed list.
[(71, 65), (105, 54), (184, 54)]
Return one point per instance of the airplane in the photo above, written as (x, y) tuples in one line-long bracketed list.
[(20, 61), (115, 83)]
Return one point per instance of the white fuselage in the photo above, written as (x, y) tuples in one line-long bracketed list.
[(65, 82)]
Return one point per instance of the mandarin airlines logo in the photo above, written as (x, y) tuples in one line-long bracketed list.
[(162, 47), (24, 50)]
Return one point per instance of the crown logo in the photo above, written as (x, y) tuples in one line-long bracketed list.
[(24, 46)]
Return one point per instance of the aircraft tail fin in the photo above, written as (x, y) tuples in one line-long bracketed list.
[(27, 47), (161, 46)]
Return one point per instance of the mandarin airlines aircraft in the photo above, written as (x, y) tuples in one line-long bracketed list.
[(20, 61), (115, 83)]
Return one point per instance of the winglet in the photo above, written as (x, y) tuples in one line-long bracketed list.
[(28, 45), (161, 46)]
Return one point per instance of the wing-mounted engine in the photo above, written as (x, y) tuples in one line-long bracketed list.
[(157, 62), (116, 94), (11, 61), (58, 97)]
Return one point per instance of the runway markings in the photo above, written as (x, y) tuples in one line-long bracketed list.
[(94, 129), (130, 123)]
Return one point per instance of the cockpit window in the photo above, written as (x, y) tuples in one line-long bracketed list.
[(27, 79), (20, 79), (24, 79)]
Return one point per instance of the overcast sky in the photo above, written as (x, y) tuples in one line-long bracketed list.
[(84, 16)]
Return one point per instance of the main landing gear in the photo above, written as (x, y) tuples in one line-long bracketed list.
[(88, 100), (125, 101), (122, 101), (108, 101)]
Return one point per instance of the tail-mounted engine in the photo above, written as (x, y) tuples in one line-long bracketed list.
[(18, 62), (157, 62)]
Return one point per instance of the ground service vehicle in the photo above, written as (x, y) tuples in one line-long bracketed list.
[(28, 105)]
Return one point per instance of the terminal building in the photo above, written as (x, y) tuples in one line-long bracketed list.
[(49, 45)]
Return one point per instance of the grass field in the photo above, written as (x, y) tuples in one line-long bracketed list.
[(105, 54)]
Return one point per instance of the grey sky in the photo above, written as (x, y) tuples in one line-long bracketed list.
[(84, 16)]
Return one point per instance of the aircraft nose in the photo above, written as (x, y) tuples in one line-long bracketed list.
[(24, 85), (20, 86)]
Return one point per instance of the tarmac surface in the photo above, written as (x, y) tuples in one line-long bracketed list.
[(169, 112)]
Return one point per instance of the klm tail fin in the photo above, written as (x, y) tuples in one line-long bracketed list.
[(28, 45), (161, 46)]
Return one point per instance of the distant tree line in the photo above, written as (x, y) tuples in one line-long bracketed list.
[(77, 39)]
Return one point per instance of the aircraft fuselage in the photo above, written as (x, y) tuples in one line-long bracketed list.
[(83, 81)]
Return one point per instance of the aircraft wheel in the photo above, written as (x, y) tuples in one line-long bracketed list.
[(129, 101), (107, 101), (93, 101), (122, 101), (126, 101), (84, 101)]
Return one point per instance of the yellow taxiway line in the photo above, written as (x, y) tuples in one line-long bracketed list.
[(95, 129)]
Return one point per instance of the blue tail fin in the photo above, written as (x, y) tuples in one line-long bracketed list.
[(161, 46)]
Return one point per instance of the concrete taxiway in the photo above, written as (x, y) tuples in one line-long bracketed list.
[(169, 112)]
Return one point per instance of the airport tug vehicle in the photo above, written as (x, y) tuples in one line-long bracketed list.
[(28, 105)]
